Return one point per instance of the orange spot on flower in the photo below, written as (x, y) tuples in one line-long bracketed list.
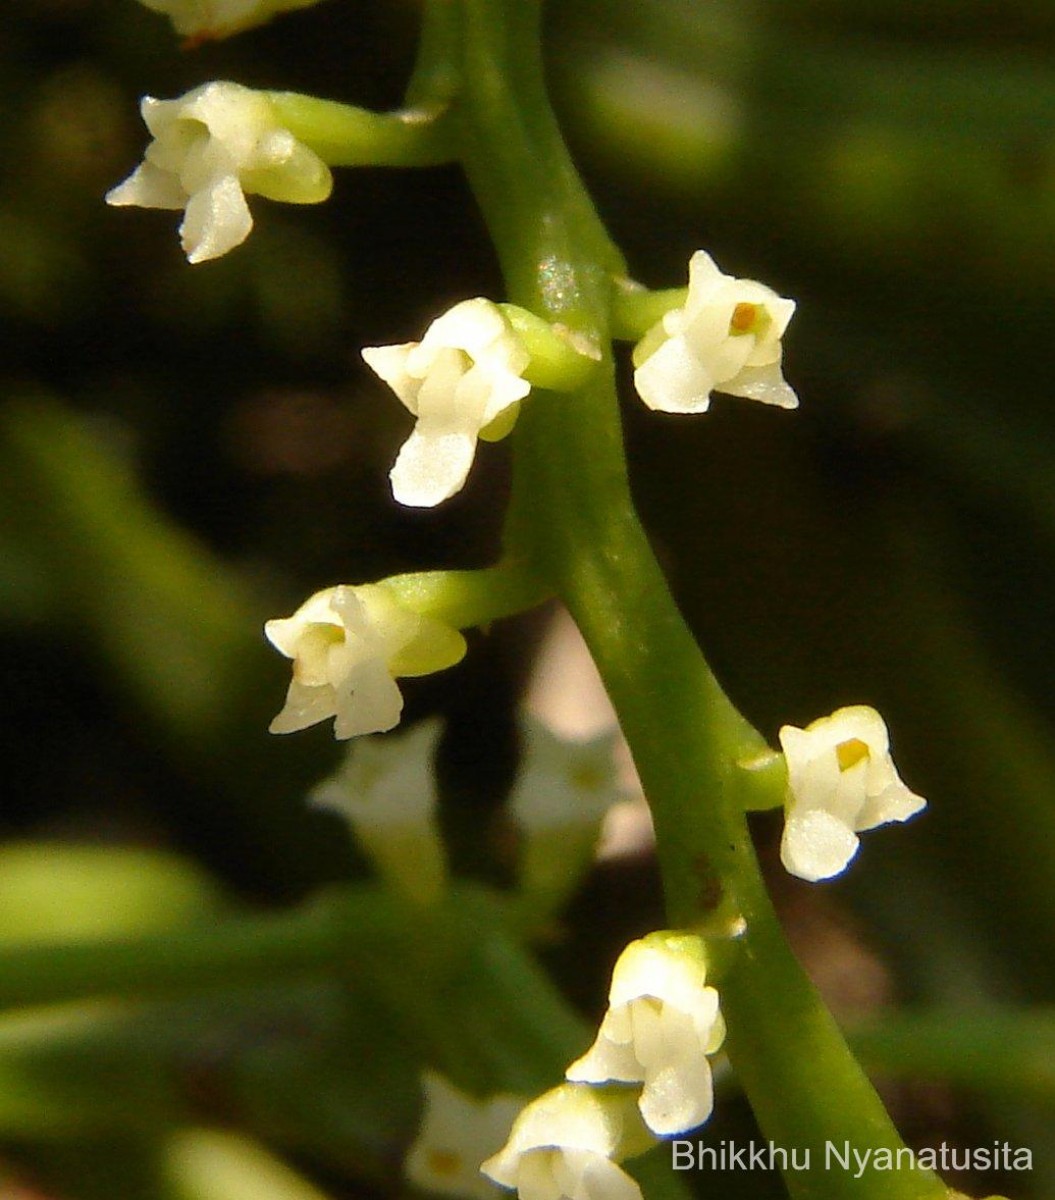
[(743, 318)]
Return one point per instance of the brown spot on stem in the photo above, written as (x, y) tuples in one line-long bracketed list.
[(711, 890)]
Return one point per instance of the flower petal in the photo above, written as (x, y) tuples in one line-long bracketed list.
[(304, 706), (679, 1096), (148, 187), (431, 468), (674, 380), (816, 845), (217, 219)]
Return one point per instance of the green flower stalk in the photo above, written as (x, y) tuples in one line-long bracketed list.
[(478, 96), (573, 518)]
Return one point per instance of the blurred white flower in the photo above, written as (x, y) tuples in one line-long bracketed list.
[(386, 790), (563, 782), (462, 381), (565, 1143), (206, 19), (457, 1134), (662, 1023), (841, 780), (559, 800), (348, 645), (210, 148), (725, 338)]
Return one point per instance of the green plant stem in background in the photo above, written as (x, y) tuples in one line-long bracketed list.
[(572, 512), (1005, 1051), (244, 950)]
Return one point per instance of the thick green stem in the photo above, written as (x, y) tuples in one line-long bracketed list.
[(572, 512)]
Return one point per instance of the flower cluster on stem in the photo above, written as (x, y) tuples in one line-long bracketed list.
[(573, 519)]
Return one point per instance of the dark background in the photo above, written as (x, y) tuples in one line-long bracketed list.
[(186, 451)]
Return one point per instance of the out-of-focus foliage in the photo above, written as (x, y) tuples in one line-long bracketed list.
[(187, 451)]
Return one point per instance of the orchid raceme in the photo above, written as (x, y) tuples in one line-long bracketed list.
[(386, 790), (725, 338), (662, 1023), (567, 1144), (211, 147), (207, 19), (841, 781), (561, 794), (463, 380), (457, 1133), (349, 644)]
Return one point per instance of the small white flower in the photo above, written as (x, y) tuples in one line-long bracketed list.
[(564, 1145), (563, 783), (206, 19), (841, 780), (210, 148), (457, 1134), (348, 645), (662, 1022), (726, 338), (464, 374), (386, 790), (561, 795)]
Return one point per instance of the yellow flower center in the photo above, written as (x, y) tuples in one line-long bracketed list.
[(850, 753)]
